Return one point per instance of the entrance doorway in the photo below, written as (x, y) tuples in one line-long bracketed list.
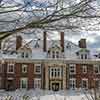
[(10, 85), (55, 86)]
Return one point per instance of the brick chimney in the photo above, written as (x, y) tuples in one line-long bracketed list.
[(82, 43), (62, 41), (18, 42), (44, 41)]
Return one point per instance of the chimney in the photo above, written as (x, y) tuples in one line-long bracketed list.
[(44, 41), (82, 43), (18, 42), (62, 41)]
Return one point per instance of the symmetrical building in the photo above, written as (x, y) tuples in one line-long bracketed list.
[(51, 65)]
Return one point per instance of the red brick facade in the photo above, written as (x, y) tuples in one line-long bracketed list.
[(11, 81)]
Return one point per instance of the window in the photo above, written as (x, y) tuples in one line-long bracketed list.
[(37, 68), (10, 68), (72, 83), (37, 83), (72, 69), (25, 54), (23, 83), (96, 69), (57, 54), (55, 72), (24, 68), (22, 55), (85, 56), (84, 69), (81, 56), (53, 54), (85, 83), (97, 83), (1, 68)]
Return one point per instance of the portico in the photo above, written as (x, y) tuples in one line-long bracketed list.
[(55, 75)]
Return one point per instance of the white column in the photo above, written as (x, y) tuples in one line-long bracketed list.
[(46, 77), (64, 77)]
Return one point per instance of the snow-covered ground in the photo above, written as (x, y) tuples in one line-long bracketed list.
[(45, 95)]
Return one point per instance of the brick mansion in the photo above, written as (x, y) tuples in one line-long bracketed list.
[(48, 64)]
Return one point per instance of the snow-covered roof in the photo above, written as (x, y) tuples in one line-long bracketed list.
[(36, 45)]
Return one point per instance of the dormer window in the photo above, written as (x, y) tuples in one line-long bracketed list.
[(25, 55), (83, 53), (81, 56), (85, 56), (55, 54), (24, 52)]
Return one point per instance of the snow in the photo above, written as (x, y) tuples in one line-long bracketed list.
[(70, 48), (45, 95)]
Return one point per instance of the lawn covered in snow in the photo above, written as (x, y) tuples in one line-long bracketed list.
[(45, 95)]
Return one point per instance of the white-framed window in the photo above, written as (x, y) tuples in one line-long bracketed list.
[(84, 56), (1, 68), (96, 69), (81, 56), (23, 83), (72, 83), (10, 68), (55, 54), (37, 68), (84, 69), (25, 54), (37, 83), (85, 83), (24, 68), (72, 69), (97, 83), (55, 72)]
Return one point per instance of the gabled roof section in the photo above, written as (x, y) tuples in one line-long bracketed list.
[(25, 48)]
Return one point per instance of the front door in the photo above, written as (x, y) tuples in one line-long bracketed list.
[(10, 85), (55, 86)]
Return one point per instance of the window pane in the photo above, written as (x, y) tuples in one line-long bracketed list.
[(38, 68), (24, 68), (24, 83), (10, 68), (37, 83)]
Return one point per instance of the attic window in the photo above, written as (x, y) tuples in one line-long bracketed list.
[(55, 54), (25, 55)]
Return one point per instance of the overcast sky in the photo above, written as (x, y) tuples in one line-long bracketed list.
[(93, 37)]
